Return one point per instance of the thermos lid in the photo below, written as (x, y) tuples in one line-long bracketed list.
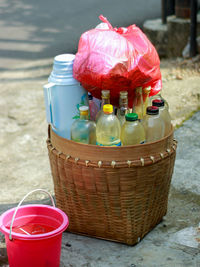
[(62, 73)]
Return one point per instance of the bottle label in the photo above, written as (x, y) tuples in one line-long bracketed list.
[(99, 144)]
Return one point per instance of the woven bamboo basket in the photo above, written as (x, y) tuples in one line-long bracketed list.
[(113, 193)]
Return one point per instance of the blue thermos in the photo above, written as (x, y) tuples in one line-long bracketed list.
[(63, 96)]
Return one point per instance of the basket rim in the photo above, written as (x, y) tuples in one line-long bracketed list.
[(114, 148), (96, 156)]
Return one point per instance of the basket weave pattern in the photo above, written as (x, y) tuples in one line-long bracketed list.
[(117, 194)]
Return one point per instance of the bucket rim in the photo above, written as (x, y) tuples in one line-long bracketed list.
[(57, 231)]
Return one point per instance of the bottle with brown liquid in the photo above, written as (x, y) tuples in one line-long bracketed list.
[(123, 107)]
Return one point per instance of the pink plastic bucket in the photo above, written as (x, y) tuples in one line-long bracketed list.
[(33, 234)]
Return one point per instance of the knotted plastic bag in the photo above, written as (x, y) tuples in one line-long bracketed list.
[(117, 59)]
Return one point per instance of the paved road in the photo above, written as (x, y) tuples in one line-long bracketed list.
[(37, 29)]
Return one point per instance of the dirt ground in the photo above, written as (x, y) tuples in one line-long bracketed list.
[(181, 87)]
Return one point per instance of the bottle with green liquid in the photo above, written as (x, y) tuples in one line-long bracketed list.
[(83, 130)]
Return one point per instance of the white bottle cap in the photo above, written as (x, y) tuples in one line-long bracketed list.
[(83, 108)]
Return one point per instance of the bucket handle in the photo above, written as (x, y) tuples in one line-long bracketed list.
[(33, 191)]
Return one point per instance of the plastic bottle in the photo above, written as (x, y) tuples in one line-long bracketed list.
[(108, 128), (164, 114), (93, 107), (105, 96), (123, 107), (153, 124), (132, 132), (158, 96), (83, 130)]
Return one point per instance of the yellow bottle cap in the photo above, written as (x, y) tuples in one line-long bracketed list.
[(108, 108)]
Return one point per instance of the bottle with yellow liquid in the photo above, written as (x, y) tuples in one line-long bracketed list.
[(108, 128), (105, 96), (83, 130), (158, 96), (141, 101), (153, 125), (138, 103), (123, 107), (146, 99), (164, 114), (132, 132)]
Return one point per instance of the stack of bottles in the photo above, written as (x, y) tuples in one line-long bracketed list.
[(148, 120)]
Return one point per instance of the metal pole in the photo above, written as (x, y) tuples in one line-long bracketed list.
[(164, 11), (193, 28)]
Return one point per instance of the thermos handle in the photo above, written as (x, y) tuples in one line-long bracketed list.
[(47, 88)]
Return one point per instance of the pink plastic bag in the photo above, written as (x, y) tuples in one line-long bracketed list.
[(116, 60)]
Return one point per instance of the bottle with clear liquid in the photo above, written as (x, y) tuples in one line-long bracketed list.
[(105, 96), (123, 107), (164, 114), (153, 125), (108, 128), (132, 132), (83, 130)]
